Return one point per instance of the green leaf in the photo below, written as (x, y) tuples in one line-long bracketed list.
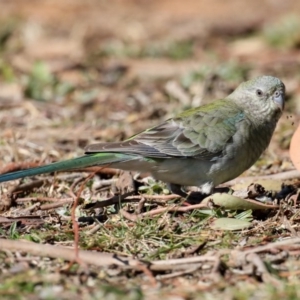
[(229, 224), (235, 203)]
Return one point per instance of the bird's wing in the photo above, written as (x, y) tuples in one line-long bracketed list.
[(201, 133)]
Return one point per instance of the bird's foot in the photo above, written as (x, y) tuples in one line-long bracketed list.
[(194, 197), (190, 198)]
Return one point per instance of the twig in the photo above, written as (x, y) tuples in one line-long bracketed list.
[(128, 216), (26, 187), (279, 176), (134, 217), (10, 197), (273, 245), (193, 249), (179, 273), (56, 204), (42, 199), (261, 269), (155, 197), (172, 209), (114, 200), (128, 198), (180, 263), (99, 258), (73, 214), (141, 206), (145, 269), (289, 273), (88, 257), (94, 229), (31, 208)]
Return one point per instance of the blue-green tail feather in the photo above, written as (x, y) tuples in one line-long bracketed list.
[(97, 159)]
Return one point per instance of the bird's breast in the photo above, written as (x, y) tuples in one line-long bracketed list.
[(241, 153)]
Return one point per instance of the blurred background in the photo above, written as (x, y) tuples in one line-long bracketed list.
[(73, 72)]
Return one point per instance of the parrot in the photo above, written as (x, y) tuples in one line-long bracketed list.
[(202, 147)]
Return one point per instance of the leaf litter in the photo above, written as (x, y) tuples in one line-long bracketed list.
[(98, 231)]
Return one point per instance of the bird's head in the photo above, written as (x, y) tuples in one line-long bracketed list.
[(262, 97)]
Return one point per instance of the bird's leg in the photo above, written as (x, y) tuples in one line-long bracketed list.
[(191, 198), (177, 189)]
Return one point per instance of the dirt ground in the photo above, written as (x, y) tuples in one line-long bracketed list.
[(77, 72)]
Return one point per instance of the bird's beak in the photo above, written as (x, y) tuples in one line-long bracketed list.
[(279, 100)]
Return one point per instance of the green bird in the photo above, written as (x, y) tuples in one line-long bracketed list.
[(203, 146)]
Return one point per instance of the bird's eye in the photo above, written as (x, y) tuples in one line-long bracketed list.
[(259, 93), (277, 94)]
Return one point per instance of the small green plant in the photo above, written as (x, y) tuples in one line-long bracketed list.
[(284, 33), (6, 72), (13, 232), (173, 49), (42, 85)]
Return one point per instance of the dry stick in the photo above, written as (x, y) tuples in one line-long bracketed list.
[(215, 272), (141, 206), (133, 217), (261, 268), (180, 263), (279, 176), (273, 245), (179, 273), (94, 229), (26, 187), (88, 257), (128, 197), (289, 273), (154, 197), (172, 209), (56, 204), (31, 208), (145, 269), (128, 216), (42, 199), (99, 258), (73, 214), (114, 200), (106, 259)]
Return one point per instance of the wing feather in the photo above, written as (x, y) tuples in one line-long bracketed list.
[(200, 133)]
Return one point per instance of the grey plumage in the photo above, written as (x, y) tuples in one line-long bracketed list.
[(203, 147)]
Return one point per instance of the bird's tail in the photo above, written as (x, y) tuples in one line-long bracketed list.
[(97, 159)]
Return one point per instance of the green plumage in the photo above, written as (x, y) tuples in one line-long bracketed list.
[(71, 164), (204, 146)]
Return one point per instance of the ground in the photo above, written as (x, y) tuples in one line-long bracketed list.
[(77, 72)]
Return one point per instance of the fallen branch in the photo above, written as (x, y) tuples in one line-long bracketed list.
[(101, 259), (292, 174), (274, 245), (179, 266), (88, 257)]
